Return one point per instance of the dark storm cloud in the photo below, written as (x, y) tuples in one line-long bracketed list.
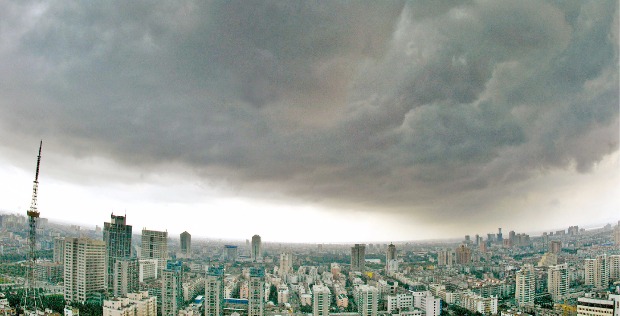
[(436, 106)]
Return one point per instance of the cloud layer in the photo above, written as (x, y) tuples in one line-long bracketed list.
[(429, 109)]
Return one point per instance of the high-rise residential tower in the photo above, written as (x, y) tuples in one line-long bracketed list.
[(214, 292), (557, 281), (117, 238), (171, 288), (614, 268), (463, 255), (321, 299), (256, 298), (186, 244), (526, 286), (84, 269), (155, 246), (367, 298), (445, 258), (286, 263), (358, 257), (597, 271), (257, 252), (125, 279)]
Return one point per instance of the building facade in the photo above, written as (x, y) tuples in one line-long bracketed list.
[(558, 282), (256, 253), (525, 286), (256, 289), (358, 257), (321, 299), (186, 244), (125, 278), (214, 292), (84, 273), (172, 288), (155, 246), (117, 238)]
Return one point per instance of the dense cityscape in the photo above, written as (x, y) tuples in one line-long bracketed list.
[(310, 158), (113, 270)]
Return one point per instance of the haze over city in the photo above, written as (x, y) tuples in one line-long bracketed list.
[(313, 122)]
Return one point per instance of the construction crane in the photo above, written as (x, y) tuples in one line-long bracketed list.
[(32, 298)]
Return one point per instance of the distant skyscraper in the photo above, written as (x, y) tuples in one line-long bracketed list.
[(390, 259), (286, 263), (125, 279), (84, 269), (256, 299), (256, 254), (214, 292), (117, 238), (172, 289), (186, 244), (555, 246), (557, 281), (500, 238), (526, 286), (463, 255), (231, 252), (617, 234), (321, 299), (477, 239), (155, 246), (445, 258), (358, 257), (367, 300)]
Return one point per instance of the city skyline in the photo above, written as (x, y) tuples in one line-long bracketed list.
[(387, 122)]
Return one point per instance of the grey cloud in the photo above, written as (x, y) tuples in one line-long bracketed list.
[(439, 107)]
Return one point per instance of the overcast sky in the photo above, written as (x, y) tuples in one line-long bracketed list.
[(313, 121)]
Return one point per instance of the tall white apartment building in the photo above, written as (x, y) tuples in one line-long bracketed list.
[(614, 267), (366, 298), (596, 271), (171, 289), (125, 276), (84, 269), (256, 295), (432, 305), (155, 246), (214, 292), (321, 299), (557, 281), (526, 286)]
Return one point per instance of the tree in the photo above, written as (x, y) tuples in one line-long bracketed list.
[(273, 294)]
